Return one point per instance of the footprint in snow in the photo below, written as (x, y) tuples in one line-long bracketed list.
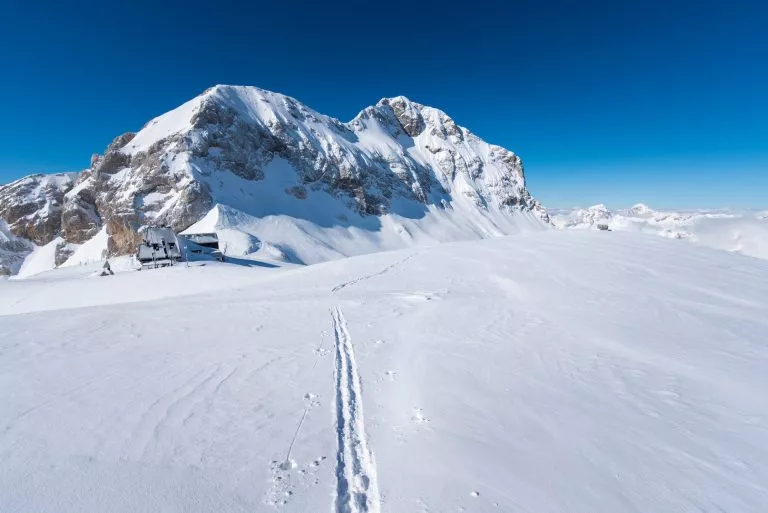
[(280, 490), (311, 400), (418, 416)]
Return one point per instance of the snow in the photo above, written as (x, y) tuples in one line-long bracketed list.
[(170, 123), (5, 232), (743, 232), (360, 145), (93, 250), (53, 288), (260, 215), (74, 191), (41, 182), (550, 371), (41, 259), (275, 225), (292, 183), (154, 197), (41, 186)]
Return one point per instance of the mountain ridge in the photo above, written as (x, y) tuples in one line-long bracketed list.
[(395, 158), (738, 231)]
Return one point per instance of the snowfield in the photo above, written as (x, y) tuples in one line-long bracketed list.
[(550, 371)]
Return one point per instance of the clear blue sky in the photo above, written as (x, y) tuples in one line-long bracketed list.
[(664, 102)]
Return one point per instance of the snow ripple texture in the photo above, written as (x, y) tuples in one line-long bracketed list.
[(357, 489)]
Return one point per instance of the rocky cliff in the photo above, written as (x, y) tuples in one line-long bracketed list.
[(218, 147)]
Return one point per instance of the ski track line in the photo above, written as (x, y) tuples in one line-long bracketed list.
[(374, 275), (357, 489)]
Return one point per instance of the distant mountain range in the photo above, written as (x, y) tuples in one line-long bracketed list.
[(305, 186), (743, 232)]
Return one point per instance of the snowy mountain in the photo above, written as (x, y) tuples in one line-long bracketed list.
[(553, 371), (743, 232), (397, 175)]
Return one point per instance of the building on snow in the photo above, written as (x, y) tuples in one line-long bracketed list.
[(159, 247)]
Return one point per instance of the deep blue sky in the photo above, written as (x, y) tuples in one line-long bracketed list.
[(664, 102)]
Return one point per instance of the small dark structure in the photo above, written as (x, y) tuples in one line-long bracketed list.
[(159, 247), (203, 244), (206, 240), (603, 227)]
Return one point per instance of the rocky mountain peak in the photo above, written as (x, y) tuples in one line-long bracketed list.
[(220, 147), (407, 113)]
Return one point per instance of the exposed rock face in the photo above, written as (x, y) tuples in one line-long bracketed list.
[(64, 250), (32, 206), (123, 237), (407, 115), (217, 147), (80, 218), (13, 250)]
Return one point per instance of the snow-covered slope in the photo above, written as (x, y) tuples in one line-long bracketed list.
[(333, 231), (398, 167), (93, 250), (744, 232), (555, 371), (40, 259)]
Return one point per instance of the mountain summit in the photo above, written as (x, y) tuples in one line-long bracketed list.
[(397, 163)]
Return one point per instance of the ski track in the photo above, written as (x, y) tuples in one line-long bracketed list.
[(357, 488), (374, 275)]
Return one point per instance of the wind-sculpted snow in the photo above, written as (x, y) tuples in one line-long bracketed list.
[(744, 232), (263, 153), (553, 371)]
